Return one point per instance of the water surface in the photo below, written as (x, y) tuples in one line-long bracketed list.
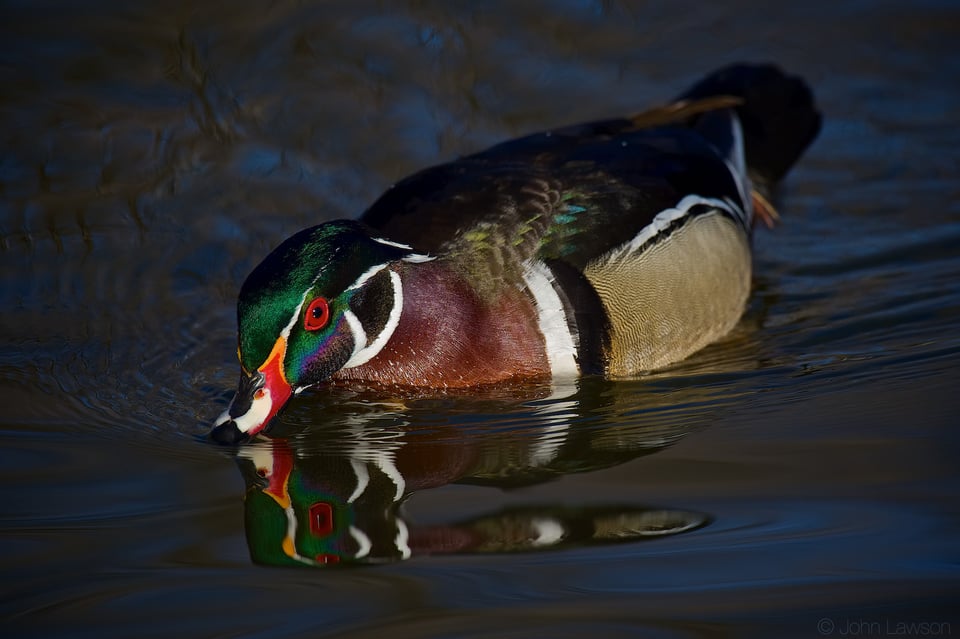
[(792, 480)]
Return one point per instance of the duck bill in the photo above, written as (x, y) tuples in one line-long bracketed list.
[(259, 398)]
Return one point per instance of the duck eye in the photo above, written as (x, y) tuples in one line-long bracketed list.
[(318, 314)]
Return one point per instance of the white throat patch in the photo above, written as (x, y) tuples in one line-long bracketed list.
[(255, 415)]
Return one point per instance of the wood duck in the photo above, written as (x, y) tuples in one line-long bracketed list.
[(611, 247)]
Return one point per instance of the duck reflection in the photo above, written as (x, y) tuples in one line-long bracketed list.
[(334, 494)]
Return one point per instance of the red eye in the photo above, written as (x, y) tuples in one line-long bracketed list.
[(318, 314)]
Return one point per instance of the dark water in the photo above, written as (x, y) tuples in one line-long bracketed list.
[(798, 479)]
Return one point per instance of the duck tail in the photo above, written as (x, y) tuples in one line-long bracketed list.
[(777, 115)]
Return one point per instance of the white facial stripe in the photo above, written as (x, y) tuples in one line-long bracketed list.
[(256, 414), (389, 243), (558, 340), (363, 352), (285, 333), (359, 335), (370, 272), (414, 258)]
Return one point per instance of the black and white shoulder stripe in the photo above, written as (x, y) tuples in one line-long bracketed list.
[(571, 318)]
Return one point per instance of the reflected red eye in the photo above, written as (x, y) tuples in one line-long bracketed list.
[(318, 314), (321, 519)]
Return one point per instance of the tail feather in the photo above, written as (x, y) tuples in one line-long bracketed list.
[(777, 115)]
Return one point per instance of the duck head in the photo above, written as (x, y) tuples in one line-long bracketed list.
[(323, 300)]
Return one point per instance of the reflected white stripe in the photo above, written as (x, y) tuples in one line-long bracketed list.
[(362, 541), (363, 479), (549, 532), (402, 539)]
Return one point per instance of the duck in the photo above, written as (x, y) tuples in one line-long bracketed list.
[(612, 247)]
